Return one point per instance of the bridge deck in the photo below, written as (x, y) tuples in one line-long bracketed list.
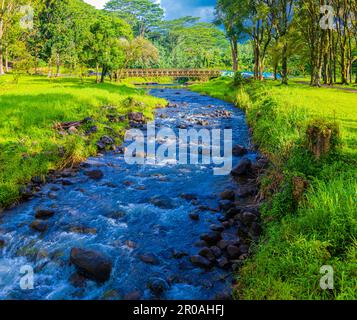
[(183, 73)]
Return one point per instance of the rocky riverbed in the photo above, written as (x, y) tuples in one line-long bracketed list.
[(109, 230)]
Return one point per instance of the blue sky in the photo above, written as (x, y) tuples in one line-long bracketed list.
[(178, 8)]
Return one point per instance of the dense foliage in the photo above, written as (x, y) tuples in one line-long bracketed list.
[(295, 37), (72, 37)]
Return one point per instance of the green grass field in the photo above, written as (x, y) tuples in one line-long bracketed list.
[(29, 146), (299, 238)]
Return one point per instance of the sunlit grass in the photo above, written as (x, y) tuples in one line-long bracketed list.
[(28, 110)]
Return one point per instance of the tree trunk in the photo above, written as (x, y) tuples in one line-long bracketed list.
[(104, 71), (97, 73), (6, 59), (1, 48), (234, 47), (58, 64), (275, 71), (49, 68), (284, 64)]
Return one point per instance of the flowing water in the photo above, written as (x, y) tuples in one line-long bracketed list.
[(117, 209)]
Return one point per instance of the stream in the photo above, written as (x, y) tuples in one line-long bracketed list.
[(116, 216)]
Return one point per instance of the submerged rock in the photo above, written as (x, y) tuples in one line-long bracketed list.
[(157, 286), (162, 202), (39, 225), (91, 264), (94, 174), (194, 216), (201, 262), (149, 258), (44, 214)]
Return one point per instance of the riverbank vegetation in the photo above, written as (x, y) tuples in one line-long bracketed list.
[(30, 144), (309, 211)]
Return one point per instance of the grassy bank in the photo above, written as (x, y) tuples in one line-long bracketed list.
[(320, 228), (29, 146)]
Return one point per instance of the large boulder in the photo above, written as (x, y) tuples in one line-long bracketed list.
[(91, 264)]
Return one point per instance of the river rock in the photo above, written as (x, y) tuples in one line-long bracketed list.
[(194, 216), (243, 168), (91, 264), (211, 238), (157, 286), (136, 117), (104, 142), (248, 217), (217, 227), (244, 249), (130, 244), (228, 195), (178, 254), (222, 244), (44, 214), (82, 230), (239, 150), (233, 252), (247, 191), (200, 244), (216, 251), (201, 262), (135, 295), (66, 182), (149, 259), (223, 262), (162, 202), (39, 225), (225, 205), (188, 196), (207, 253), (2, 243), (94, 174), (77, 280), (232, 212)]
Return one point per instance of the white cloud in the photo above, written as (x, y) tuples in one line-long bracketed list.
[(97, 3)]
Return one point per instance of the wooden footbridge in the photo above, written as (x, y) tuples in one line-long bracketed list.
[(175, 73)]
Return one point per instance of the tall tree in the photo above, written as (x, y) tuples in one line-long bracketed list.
[(143, 15), (232, 15)]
